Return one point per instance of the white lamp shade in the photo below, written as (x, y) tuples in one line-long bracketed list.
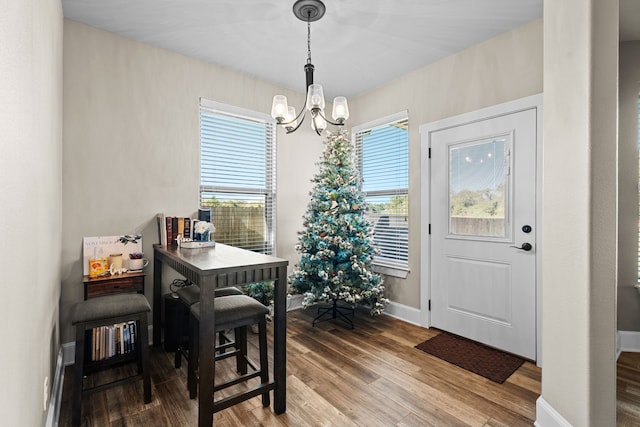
[(318, 123), (279, 108), (290, 120), (315, 97), (340, 109)]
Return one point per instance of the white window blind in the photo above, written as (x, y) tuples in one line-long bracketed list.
[(238, 174), (382, 156)]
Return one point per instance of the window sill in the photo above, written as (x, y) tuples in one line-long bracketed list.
[(391, 271)]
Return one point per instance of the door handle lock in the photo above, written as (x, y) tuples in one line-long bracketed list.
[(525, 247)]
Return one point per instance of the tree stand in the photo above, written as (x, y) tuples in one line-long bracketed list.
[(334, 311)]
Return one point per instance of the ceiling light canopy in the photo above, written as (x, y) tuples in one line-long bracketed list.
[(309, 11)]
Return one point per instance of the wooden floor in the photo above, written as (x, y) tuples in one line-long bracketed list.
[(628, 392), (369, 376)]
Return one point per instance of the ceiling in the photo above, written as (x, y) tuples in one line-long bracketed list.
[(358, 45)]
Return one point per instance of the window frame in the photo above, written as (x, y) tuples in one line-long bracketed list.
[(227, 111), (385, 265)]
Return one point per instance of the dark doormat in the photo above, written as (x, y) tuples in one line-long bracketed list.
[(472, 356)]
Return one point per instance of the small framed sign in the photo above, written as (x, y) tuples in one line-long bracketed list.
[(101, 247)]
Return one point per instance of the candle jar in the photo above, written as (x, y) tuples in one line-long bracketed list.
[(115, 262)]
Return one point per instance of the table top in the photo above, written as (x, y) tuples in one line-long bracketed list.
[(219, 257)]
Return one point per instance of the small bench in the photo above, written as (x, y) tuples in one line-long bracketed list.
[(104, 311)]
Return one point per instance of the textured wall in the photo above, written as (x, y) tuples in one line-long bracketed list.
[(579, 210), (30, 204)]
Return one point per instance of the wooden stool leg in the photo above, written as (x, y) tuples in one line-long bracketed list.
[(181, 326), (264, 362), (143, 355), (192, 365), (241, 345), (177, 357), (78, 371)]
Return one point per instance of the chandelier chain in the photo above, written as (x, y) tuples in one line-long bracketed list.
[(308, 40)]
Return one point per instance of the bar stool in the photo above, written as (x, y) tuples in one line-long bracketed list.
[(105, 311), (233, 312), (188, 296)]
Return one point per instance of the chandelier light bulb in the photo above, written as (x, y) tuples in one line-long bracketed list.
[(279, 108), (315, 97), (340, 109), (318, 123), (290, 119)]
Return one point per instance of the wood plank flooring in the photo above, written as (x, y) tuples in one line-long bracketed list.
[(628, 390), (369, 376)]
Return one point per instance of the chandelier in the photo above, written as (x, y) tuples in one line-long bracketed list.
[(285, 115)]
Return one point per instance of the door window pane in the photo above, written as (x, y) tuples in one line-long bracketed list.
[(478, 201)]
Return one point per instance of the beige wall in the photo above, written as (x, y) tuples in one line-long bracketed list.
[(629, 87), (579, 211), (131, 144), (31, 204), (502, 69)]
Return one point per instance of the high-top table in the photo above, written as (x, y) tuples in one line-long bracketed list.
[(218, 267)]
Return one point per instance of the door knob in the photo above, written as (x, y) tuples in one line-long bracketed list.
[(525, 247)]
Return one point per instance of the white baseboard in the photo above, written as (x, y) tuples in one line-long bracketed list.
[(627, 341), (55, 399), (68, 353), (546, 416), (403, 312)]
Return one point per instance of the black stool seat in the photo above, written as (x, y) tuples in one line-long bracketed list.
[(233, 312), (107, 307), (106, 311), (188, 296)]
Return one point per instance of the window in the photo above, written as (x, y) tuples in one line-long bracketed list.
[(237, 175), (382, 151), (478, 188)]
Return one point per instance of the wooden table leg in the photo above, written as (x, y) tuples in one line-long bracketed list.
[(280, 343), (207, 351)]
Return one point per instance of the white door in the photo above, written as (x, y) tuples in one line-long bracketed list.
[(483, 229)]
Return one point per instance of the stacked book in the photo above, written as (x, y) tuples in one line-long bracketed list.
[(169, 227), (113, 340)]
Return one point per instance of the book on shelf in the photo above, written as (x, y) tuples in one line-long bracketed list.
[(180, 226), (187, 228), (112, 340), (174, 231), (162, 228), (127, 339), (132, 332)]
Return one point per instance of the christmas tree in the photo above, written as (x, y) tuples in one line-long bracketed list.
[(335, 246)]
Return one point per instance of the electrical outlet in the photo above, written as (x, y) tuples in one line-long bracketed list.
[(45, 395)]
